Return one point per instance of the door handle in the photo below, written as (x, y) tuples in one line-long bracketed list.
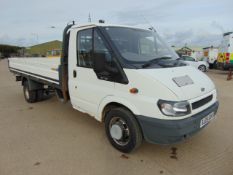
[(74, 73)]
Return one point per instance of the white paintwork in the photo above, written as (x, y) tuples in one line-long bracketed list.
[(91, 95), (90, 25), (212, 54), (46, 67), (155, 84), (196, 64), (86, 89), (226, 45)]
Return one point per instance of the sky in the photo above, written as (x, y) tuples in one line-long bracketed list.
[(195, 23)]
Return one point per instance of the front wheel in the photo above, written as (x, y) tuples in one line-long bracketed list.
[(202, 68), (123, 130)]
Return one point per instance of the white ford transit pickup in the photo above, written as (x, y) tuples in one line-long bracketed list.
[(126, 77)]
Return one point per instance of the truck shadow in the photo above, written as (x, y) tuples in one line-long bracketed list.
[(45, 96)]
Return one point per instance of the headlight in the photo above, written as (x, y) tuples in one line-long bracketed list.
[(171, 108)]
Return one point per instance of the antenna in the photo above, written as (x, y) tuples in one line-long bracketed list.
[(89, 17), (151, 27)]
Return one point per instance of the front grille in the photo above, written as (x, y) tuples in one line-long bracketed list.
[(202, 102)]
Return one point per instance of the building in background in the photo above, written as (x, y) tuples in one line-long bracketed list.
[(193, 51), (55, 53), (197, 52), (44, 49), (183, 51)]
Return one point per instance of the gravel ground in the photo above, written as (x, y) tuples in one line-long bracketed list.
[(51, 138)]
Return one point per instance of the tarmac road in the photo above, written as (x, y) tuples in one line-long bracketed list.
[(51, 138)]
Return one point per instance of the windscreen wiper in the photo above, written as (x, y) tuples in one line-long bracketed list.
[(154, 61)]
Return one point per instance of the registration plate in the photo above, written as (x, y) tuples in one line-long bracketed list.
[(207, 119)]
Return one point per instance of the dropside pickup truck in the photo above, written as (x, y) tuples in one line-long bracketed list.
[(126, 77)]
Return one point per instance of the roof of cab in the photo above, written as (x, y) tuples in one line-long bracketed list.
[(103, 25)]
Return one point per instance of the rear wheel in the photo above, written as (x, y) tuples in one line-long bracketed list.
[(123, 130), (39, 94), (29, 95), (202, 68)]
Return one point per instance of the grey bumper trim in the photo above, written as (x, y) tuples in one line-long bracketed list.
[(172, 131)]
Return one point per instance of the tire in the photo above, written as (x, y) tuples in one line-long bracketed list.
[(123, 130), (211, 66), (215, 66), (39, 95), (29, 95), (202, 68)]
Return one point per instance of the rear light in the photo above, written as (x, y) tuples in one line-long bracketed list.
[(227, 58)]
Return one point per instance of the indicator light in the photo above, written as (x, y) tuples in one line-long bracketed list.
[(133, 90)]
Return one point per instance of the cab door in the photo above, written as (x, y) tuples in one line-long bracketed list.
[(86, 88)]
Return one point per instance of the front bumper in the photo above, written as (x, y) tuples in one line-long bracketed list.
[(172, 131)]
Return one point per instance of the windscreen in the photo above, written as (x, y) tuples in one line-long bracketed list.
[(139, 46)]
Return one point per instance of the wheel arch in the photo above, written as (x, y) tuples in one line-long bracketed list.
[(33, 85), (113, 102), (202, 65)]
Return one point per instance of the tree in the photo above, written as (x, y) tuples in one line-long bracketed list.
[(7, 50)]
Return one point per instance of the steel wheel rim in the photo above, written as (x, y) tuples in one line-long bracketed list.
[(202, 68), (26, 93), (124, 140)]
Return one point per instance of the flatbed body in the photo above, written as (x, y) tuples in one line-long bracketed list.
[(42, 68)]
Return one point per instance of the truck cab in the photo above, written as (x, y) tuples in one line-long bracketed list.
[(135, 70)]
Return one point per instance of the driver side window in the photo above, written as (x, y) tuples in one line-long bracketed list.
[(94, 53), (104, 64), (100, 50)]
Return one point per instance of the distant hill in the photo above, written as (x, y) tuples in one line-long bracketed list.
[(42, 49)]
